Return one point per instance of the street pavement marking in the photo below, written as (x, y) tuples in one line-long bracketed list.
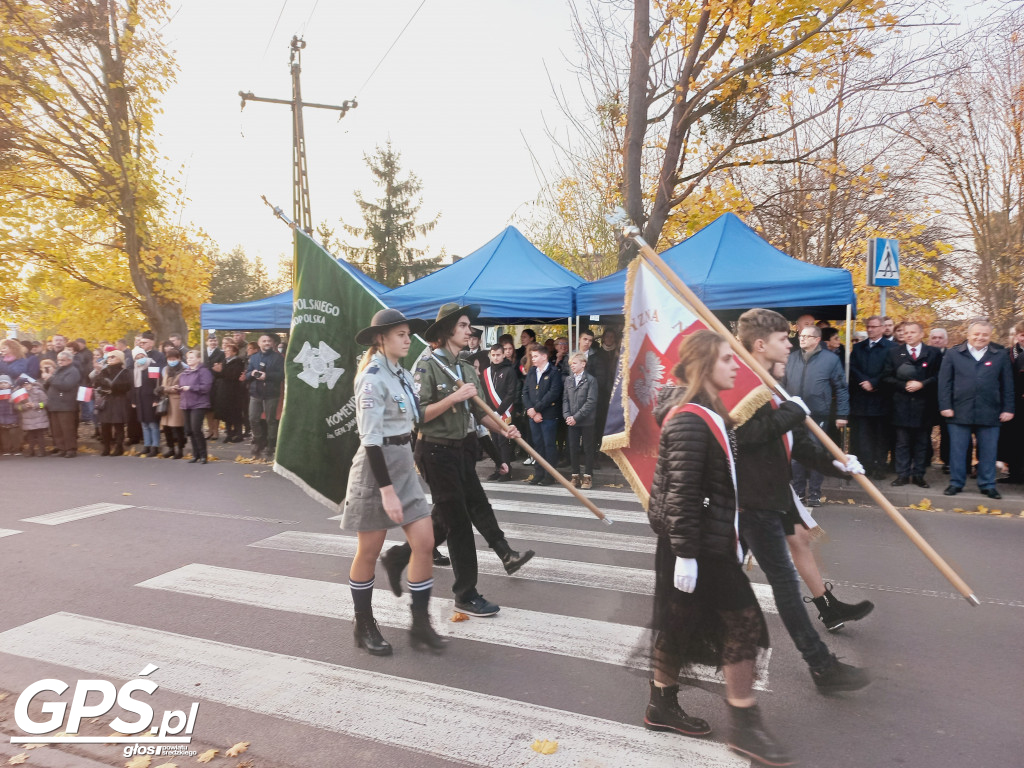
[(7, 532), (557, 490), (620, 542), (452, 724), (606, 642), (559, 510), (78, 513), (219, 514), (616, 578)]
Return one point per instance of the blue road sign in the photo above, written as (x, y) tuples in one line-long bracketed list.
[(883, 262)]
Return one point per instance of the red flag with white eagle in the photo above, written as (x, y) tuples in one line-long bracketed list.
[(656, 322)]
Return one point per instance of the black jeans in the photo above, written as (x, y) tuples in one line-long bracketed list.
[(194, 429), (764, 534), (460, 504), (585, 435)]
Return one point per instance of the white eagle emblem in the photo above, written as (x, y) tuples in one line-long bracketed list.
[(647, 385), (318, 365)]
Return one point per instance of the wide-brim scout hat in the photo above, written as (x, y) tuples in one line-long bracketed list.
[(385, 320), (448, 314)]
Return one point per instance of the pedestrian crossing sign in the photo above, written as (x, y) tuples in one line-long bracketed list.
[(883, 262)]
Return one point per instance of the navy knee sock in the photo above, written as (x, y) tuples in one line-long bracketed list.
[(362, 595), (420, 591)]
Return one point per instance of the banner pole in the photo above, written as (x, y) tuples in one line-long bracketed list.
[(689, 297)]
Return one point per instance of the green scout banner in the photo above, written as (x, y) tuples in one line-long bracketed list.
[(317, 437)]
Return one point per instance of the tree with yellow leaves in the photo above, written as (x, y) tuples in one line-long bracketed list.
[(83, 201)]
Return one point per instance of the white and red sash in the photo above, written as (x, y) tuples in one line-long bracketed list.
[(493, 393), (717, 426)]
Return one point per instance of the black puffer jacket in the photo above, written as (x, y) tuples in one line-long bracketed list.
[(693, 501)]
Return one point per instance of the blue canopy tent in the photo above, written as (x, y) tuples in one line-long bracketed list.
[(509, 277), (273, 313), (731, 269)]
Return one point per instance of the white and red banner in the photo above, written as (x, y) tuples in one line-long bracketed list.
[(656, 322), (20, 395), (84, 394)]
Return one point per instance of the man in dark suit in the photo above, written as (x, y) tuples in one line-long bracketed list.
[(1011, 434), (542, 401), (911, 372), (939, 338), (869, 402), (976, 395)]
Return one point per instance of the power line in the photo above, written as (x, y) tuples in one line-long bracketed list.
[(392, 46), (310, 17), (271, 38)]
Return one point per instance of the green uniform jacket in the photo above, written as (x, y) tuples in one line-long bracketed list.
[(434, 385)]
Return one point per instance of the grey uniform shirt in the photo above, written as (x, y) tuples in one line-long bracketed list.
[(385, 408)]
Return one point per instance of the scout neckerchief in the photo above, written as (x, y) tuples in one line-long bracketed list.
[(399, 374), (493, 392), (787, 440), (717, 426), (455, 375)]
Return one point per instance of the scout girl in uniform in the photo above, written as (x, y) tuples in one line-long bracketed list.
[(383, 488)]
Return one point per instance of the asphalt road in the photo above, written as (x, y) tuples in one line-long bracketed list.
[(234, 584)]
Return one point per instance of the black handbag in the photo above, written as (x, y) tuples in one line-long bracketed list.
[(163, 405)]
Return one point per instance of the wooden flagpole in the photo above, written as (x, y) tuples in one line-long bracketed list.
[(687, 296)]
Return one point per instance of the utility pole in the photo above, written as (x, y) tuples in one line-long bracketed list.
[(301, 215)]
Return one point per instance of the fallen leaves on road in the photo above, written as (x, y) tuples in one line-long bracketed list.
[(207, 756), (237, 749), (544, 746), (139, 761), (924, 504), (254, 477), (458, 616), (168, 765), (18, 759), (850, 501), (126, 494), (614, 485)]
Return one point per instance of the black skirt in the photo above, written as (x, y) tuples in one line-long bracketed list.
[(720, 622)]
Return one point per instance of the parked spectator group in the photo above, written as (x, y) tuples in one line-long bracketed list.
[(139, 393)]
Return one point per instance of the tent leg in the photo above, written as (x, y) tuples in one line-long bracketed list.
[(849, 339)]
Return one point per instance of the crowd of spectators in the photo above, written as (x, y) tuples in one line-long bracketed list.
[(158, 397), (902, 391), (165, 397)]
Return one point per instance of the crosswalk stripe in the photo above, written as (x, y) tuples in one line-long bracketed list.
[(558, 510), (616, 578), (384, 709), (620, 542), (613, 577), (519, 489), (78, 513), (204, 513), (607, 642), (7, 532)]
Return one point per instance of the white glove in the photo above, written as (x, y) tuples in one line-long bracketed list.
[(686, 574), (852, 465), (800, 401)]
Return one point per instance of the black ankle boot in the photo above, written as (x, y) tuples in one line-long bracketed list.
[(393, 566), (837, 676), (664, 714), (511, 559), (169, 452), (749, 737), (179, 452), (367, 635), (834, 613), (440, 559), (422, 633)]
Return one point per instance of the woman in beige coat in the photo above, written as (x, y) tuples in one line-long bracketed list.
[(172, 422)]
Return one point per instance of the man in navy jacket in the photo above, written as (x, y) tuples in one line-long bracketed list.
[(869, 400), (542, 401), (265, 375), (975, 394)]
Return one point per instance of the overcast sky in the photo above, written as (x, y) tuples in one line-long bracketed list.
[(461, 96)]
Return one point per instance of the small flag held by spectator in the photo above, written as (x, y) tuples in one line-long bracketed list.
[(85, 394), (5, 394), (20, 395), (154, 371)]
